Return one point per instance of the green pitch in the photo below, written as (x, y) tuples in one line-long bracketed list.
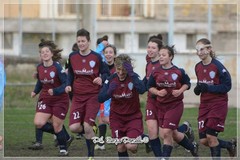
[(19, 130)]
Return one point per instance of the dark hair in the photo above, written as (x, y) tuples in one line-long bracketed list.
[(171, 50), (53, 48), (83, 32), (111, 46), (159, 36), (75, 47), (158, 41), (104, 38), (206, 41)]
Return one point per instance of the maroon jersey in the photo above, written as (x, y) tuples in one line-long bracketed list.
[(83, 70), (169, 79), (52, 77), (151, 112), (218, 79), (112, 69), (149, 69), (125, 99)]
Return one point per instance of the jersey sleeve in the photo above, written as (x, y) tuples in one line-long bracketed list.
[(225, 81), (138, 83), (38, 86), (151, 82), (99, 50), (104, 70), (185, 79), (63, 78), (70, 75), (103, 96)]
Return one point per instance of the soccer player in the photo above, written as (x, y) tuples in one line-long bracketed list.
[(110, 53), (213, 83), (167, 83), (53, 101), (124, 87), (153, 47), (86, 72)]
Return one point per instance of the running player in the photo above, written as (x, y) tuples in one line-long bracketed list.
[(124, 87), (53, 101), (110, 53), (213, 83), (154, 45), (86, 73), (167, 83)]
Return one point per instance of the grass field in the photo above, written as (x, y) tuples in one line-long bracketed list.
[(19, 131)]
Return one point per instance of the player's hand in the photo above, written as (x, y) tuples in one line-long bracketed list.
[(98, 81), (197, 89), (203, 87), (35, 75), (176, 92), (33, 94), (50, 91), (162, 92), (105, 43), (112, 87), (129, 68), (68, 89)]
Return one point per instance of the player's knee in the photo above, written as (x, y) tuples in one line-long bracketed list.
[(212, 141), (121, 148), (132, 147), (39, 124), (204, 141), (167, 134), (74, 128), (57, 127), (153, 133), (105, 120)]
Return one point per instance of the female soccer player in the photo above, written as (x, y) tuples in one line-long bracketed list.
[(53, 101), (213, 83), (86, 72), (124, 87), (167, 83), (109, 53), (153, 47)]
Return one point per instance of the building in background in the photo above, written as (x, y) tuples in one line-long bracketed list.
[(128, 23)]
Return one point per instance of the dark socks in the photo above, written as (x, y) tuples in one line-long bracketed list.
[(61, 137), (216, 152), (156, 147), (123, 155), (186, 144), (39, 135), (90, 147), (48, 127), (102, 132), (167, 150), (66, 133), (224, 144), (183, 128)]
